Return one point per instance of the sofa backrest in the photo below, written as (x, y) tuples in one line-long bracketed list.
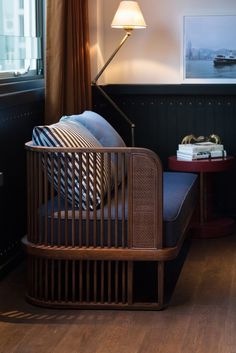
[(99, 127)]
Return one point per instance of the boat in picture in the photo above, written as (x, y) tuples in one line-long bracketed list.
[(220, 60)]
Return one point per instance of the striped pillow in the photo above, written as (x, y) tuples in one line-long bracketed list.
[(70, 134)]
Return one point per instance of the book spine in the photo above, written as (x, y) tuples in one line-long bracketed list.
[(193, 148), (201, 155)]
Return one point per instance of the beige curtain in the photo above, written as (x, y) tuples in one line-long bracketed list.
[(67, 74)]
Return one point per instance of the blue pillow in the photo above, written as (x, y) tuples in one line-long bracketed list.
[(99, 127)]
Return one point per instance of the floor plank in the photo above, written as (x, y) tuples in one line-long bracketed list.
[(201, 316)]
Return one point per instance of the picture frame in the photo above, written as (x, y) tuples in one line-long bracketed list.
[(209, 49)]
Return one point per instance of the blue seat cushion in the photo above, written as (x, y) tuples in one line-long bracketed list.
[(180, 196), (180, 192)]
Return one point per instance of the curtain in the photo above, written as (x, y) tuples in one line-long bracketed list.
[(67, 74)]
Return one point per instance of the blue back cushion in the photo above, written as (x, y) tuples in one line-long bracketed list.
[(103, 132), (99, 127)]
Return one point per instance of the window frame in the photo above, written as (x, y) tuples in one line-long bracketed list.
[(17, 81)]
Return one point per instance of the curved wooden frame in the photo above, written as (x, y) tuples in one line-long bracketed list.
[(91, 275)]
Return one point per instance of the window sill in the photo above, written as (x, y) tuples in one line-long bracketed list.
[(10, 86)]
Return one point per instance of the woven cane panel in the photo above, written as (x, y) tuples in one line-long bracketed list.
[(144, 203)]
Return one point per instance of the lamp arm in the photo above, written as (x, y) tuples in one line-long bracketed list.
[(128, 33), (94, 83), (132, 125)]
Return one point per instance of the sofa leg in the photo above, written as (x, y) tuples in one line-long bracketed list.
[(160, 281), (130, 282)]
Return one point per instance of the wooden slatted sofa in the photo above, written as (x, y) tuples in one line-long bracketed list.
[(103, 218)]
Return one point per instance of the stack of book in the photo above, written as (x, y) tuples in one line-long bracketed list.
[(200, 150)]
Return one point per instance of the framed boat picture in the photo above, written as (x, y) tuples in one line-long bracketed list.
[(209, 49)]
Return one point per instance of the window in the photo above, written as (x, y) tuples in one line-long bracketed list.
[(21, 38)]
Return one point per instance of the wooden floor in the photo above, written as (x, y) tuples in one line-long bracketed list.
[(200, 319)]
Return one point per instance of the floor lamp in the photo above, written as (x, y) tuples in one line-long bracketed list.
[(128, 16)]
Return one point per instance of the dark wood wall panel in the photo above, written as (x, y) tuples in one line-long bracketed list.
[(18, 114), (163, 115)]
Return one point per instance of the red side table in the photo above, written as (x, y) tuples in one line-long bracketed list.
[(208, 226)]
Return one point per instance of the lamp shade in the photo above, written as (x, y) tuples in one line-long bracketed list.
[(128, 16)]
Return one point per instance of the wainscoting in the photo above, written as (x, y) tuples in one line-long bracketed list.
[(19, 112), (163, 115)]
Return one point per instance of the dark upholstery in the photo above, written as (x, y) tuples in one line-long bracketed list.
[(180, 193)]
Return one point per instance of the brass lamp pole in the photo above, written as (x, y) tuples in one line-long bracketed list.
[(129, 17)]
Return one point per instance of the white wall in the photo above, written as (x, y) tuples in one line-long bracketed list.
[(152, 55)]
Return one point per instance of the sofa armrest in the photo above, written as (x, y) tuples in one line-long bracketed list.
[(146, 199)]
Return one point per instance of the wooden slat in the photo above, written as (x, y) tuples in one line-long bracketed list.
[(33, 200), (36, 198), (73, 201), (124, 281), (80, 281), (34, 205), (29, 198), (40, 198), (130, 283), (87, 281), (29, 276), (45, 159), (73, 275), (87, 199), (123, 199), (109, 282), (66, 280), (59, 286), (102, 281), (102, 202), (109, 200), (116, 197), (95, 275), (52, 169), (116, 282), (35, 278), (46, 279), (95, 186), (59, 200), (66, 200), (52, 280), (41, 277), (80, 199)]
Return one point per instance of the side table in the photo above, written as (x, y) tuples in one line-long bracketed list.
[(208, 226)]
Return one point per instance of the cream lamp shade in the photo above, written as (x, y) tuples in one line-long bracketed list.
[(128, 16)]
